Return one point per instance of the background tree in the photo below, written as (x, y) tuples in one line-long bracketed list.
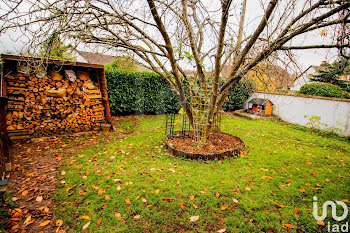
[(170, 35), (334, 73), (124, 63), (54, 48)]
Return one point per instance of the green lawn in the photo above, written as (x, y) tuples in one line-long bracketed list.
[(133, 185)]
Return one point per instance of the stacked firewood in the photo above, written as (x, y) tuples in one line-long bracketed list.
[(53, 104)]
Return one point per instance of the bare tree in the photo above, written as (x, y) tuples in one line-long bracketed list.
[(171, 35)]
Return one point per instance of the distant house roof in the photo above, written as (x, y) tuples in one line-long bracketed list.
[(190, 73), (97, 58), (258, 101), (318, 69)]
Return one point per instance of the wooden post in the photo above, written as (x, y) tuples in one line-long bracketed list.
[(103, 86), (3, 134)]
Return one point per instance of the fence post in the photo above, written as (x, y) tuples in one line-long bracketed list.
[(3, 132)]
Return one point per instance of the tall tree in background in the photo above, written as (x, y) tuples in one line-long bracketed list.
[(171, 35), (54, 48), (334, 73)]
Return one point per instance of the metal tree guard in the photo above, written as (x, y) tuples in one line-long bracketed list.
[(170, 125), (217, 122)]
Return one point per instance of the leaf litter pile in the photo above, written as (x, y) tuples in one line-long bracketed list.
[(35, 166), (216, 143)]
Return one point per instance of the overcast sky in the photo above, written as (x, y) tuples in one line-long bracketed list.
[(14, 43)]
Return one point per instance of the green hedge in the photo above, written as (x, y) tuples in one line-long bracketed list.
[(139, 93), (147, 93), (322, 89)]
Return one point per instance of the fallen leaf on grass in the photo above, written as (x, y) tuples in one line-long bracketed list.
[(169, 199), (289, 225), (59, 222), (194, 218), (107, 197), (217, 195), (24, 193), (144, 200), (182, 205), (39, 199), (98, 223), (85, 217), (313, 174), (296, 210), (137, 216), (235, 200), (58, 225), (280, 206), (117, 215), (321, 223), (345, 200), (127, 200), (100, 191), (195, 206), (191, 197), (328, 180), (44, 223), (221, 231), (70, 188), (156, 191), (308, 184), (224, 207), (302, 190), (86, 225)]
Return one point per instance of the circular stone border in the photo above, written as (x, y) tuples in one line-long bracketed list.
[(234, 152)]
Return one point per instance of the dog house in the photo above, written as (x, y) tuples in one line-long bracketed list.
[(260, 106), (49, 97)]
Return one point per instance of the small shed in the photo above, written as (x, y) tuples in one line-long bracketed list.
[(260, 106), (50, 97)]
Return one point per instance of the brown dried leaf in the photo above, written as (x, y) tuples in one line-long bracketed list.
[(182, 205), (194, 218), (44, 223)]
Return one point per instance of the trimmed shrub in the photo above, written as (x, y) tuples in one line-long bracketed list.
[(239, 95), (346, 95), (322, 89), (139, 93)]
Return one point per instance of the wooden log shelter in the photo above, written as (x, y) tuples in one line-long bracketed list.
[(49, 97)]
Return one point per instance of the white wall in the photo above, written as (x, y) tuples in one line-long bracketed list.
[(293, 109)]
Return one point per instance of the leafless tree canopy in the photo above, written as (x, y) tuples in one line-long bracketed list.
[(172, 35)]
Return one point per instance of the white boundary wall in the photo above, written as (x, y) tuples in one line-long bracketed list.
[(298, 110)]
